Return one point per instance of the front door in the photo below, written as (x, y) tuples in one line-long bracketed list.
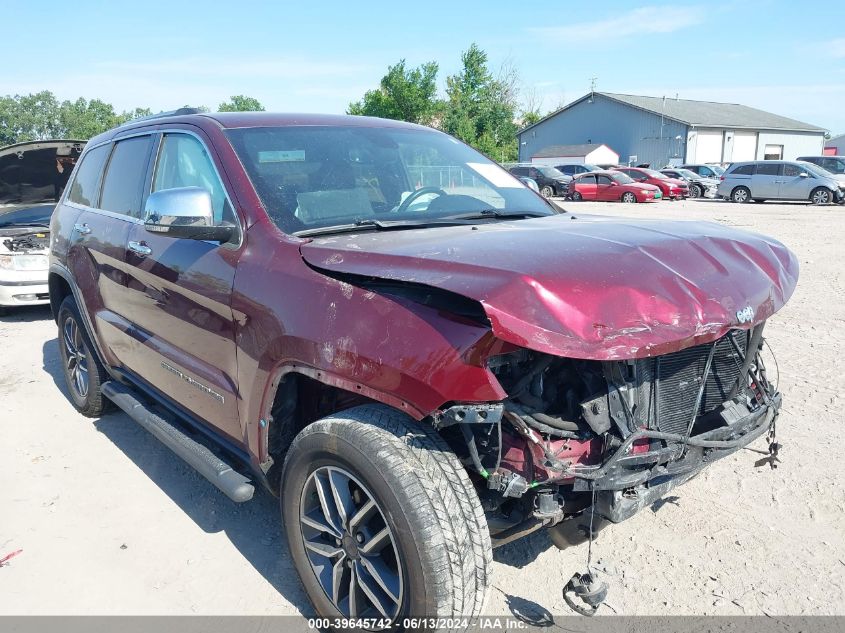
[(605, 188), (179, 295), (793, 186)]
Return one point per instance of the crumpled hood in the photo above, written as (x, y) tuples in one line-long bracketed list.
[(587, 286)]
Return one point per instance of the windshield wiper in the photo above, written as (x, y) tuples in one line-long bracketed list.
[(379, 225), (4, 225), (495, 213)]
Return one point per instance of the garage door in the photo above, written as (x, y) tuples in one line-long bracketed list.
[(708, 147), (745, 146)]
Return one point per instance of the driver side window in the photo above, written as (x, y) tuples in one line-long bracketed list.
[(184, 162)]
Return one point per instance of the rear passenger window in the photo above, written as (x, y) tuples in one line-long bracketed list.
[(184, 162), (744, 170), (769, 169), (84, 188), (125, 175)]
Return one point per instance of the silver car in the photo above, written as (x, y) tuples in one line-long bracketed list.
[(763, 180)]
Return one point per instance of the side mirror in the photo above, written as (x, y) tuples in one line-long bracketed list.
[(804, 174), (184, 212)]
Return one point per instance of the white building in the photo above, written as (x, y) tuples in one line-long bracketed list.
[(586, 153)]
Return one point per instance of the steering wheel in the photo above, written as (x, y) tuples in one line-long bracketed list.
[(416, 194)]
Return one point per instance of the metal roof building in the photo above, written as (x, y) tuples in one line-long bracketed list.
[(661, 131), (589, 153)]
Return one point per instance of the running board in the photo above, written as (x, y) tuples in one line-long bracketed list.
[(230, 482)]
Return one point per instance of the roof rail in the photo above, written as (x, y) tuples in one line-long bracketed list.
[(161, 115)]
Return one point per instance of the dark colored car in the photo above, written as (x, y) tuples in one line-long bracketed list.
[(833, 164), (573, 170), (672, 188), (409, 347), (699, 186), (611, 186), (550, 181), (705, 170)]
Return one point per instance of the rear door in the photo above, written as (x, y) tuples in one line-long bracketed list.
[(765, 183), (179, 295), (605, 189), (587, 187), (111, 206)]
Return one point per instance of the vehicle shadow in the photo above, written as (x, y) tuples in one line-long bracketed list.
[(254, 528), (26, 314), (523, 551)]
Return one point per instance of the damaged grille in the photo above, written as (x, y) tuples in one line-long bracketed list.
[(669, 384)]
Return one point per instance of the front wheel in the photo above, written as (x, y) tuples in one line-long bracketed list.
[(628, 197), (821, 196), (695, 191), (382, 519), (546, 191)]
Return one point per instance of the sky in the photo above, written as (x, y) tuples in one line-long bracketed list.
[(319, 56)]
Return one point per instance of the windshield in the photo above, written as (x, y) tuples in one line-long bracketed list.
[(589, 167), (810, 167), (31, 216), (718, 169), (551, 172), (622, 179), (310, 177)]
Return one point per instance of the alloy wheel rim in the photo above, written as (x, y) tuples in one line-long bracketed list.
[(740, 195), (820, 197), (349, 545), (629, 197), (76, 357)]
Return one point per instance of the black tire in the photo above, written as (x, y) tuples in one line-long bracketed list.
[(4, 311), (741, 195), (76, 353), (577, 197), (424, 496), (628, 197), (821, 195), (695, 191), (546, 191)]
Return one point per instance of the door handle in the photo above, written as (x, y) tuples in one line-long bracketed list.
[(82, 229), (139, 248)]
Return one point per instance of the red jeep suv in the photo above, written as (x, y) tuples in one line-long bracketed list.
[(409, 347)]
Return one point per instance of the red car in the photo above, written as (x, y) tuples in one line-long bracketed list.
[(419, 370), (610, 186), (672, 188)]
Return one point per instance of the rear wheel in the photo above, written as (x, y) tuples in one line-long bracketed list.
[(577, 197), (84, 375), (695, 191), (628, 197), (740, 195), (546, 191), (820, 195), (382, 519)]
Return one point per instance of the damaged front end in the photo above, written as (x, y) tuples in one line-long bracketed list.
[(608, 436)]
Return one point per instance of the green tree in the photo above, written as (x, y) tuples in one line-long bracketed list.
[(29, 117), (403, 94), (480, 108), (241, 103)]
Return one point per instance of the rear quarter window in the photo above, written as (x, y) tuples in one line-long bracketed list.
[(743, 170), (84, 188)]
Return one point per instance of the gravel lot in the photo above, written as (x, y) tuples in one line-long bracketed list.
[(110, 522)]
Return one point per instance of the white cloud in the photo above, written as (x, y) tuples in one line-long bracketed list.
[(640, 21)]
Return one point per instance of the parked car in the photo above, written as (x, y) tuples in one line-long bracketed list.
[(32, 176), (835, 165), (611, 186), (277, 302), (572, 170), (780, 180), (671, 188), (699, 186), (550, 181), (706, 171)]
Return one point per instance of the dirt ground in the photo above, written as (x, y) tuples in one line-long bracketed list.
[(110, 522)]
